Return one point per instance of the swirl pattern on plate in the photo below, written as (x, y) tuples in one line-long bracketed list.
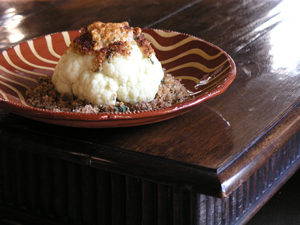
[(200, 65), (205, 69)]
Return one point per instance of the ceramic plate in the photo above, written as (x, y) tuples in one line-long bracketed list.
[(205, 69)]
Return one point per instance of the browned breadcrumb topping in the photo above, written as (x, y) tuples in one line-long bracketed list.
[(104, 40), (44, 95), (104, 34)]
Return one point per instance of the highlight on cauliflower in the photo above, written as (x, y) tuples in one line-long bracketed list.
[(109, 61)]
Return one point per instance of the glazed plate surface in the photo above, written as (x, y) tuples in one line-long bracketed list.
[(205, 69)]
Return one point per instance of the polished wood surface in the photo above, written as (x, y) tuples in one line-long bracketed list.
[(212, 149)]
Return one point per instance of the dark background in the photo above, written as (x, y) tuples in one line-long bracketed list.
[(282, 209)]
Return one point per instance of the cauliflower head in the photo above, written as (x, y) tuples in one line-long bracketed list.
[(124, 67)]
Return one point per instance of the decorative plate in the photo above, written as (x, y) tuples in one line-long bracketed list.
[(205, 69)]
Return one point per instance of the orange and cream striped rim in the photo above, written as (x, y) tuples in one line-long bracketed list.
[(205, 69)]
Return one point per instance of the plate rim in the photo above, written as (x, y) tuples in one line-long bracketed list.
[(30, 111)]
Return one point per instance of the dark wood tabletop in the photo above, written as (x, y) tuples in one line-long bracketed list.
[(239, 147)]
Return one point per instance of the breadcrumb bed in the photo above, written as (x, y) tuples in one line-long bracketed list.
[(44, 95)]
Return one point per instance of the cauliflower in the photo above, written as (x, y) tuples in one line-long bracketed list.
[(109, 62), (74, 75)]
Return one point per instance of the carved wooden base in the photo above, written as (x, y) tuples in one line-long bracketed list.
[(46, 190)]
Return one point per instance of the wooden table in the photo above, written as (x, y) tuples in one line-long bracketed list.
[(217, 164)]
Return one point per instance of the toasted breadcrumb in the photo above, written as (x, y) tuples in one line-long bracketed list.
[(44, 96), (104, 40)]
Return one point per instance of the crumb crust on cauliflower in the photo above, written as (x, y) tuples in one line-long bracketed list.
[(104, 40)]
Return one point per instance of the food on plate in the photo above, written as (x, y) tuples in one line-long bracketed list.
[(109, 67)]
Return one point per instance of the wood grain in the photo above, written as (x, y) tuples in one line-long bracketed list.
[(79, 194)]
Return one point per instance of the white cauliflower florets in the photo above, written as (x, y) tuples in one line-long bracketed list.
[(131, 78), (74, 75), (138, 77)]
